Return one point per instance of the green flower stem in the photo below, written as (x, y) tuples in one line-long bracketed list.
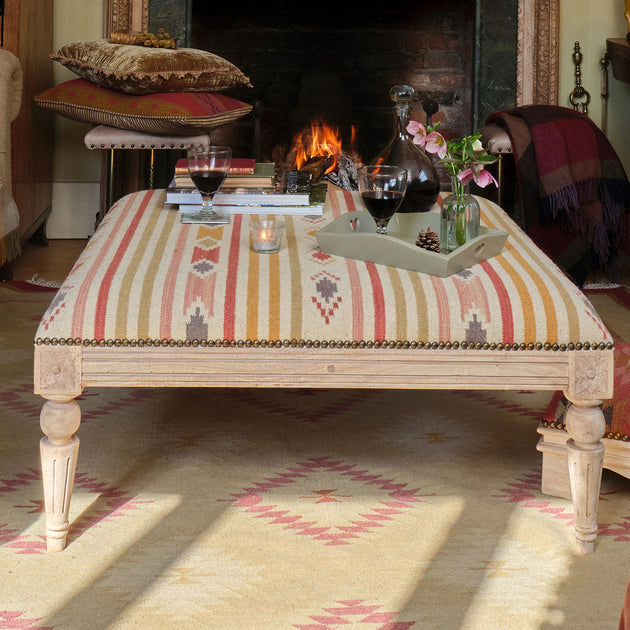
[(459, 190)]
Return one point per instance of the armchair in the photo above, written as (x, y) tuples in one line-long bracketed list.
[(10, 102)]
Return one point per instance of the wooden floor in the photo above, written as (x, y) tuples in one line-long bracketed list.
[(52, 263)]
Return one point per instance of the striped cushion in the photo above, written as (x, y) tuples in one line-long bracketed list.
[(146, 278), (180, 113)]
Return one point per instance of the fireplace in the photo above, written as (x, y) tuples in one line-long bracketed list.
[(338, 65), (470, 56)]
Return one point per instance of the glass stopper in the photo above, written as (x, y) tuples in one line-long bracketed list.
[(402, 94)]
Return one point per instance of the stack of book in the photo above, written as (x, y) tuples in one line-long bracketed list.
[(243, 173), (248, 189)]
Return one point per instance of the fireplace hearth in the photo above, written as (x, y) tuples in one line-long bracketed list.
[(338, 64)]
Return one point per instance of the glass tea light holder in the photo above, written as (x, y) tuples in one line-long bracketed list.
[(266, 235)]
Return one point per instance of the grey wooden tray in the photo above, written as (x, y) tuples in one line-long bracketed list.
[(353, 235)]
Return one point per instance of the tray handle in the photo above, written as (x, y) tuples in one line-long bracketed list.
[(354, 223), (478, 251)]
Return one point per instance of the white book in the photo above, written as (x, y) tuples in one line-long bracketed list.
[(239, 196), (314, 206), (310, 210)]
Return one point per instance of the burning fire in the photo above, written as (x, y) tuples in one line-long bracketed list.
[(320, 141)]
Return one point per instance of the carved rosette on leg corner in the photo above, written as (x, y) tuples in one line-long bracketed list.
[(58, 379), (590, 383)]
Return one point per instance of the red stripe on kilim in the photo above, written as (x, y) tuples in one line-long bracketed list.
[(349, 199), (356, 295), (379, 302), (229, 311), (507, 317)]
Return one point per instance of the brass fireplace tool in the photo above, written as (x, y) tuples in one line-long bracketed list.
[(579, 93)]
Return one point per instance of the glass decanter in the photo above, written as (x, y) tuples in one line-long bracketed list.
[(423, 183)]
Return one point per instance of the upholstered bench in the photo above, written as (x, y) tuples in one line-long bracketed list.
[(155, 303), (112, 139)]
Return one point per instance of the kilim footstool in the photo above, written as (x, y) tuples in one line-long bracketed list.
[(153, 302)]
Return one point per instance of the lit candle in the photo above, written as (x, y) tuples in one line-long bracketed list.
[(266, 235)]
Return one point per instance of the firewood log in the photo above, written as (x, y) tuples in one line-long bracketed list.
[(317, 166)]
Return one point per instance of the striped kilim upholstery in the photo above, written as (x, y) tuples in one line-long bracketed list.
[(146, 279)]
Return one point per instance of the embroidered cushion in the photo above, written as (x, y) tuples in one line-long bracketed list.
[(183, 113), (138, 70)]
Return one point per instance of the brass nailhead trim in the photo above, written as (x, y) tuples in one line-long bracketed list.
[(609, 435), (309, 343)]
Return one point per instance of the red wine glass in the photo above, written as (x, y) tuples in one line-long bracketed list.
[(382, 189), (208, 167)]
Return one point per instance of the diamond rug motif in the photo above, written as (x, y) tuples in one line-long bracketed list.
[(354, 523)]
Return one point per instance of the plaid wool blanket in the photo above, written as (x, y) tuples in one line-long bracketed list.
[(569, 175)]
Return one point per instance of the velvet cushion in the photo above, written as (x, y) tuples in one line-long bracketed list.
[(180, 113), (139, 70)]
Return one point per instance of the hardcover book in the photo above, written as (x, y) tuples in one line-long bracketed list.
[(262, 176), (239, 166)]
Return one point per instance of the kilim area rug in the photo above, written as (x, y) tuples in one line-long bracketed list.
[(296, 509)]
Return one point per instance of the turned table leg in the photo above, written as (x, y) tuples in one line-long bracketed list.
[(57, 377), (59, 420), (591, 375), (585, 426)]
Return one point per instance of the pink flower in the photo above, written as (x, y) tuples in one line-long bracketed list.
[(478, 174), (465, 176), (484, 178), (418, 132), (435, 143)]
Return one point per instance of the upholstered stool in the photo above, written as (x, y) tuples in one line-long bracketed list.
[(110, 139), (153, 302)]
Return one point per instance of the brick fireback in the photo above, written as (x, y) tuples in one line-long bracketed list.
[(339, 64)]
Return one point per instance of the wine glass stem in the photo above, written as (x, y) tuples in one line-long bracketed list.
[(381, 226), (206, 206)]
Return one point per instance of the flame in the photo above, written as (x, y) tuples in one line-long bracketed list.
[(320, 139)]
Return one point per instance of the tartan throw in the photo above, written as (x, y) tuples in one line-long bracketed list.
[(569, 171), (145, 277)]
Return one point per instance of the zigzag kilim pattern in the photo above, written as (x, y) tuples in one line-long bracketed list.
[(398, 498), (356, 611), (188, 279)]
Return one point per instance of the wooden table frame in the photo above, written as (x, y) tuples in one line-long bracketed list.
[(62, 371)]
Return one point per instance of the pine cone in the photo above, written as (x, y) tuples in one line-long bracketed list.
[(428, 239)]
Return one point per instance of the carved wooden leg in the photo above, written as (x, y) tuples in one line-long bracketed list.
[(591, 376), (59, 450), (586, 425)]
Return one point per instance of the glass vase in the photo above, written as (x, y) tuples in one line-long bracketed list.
[(423, 183), (460, 217)]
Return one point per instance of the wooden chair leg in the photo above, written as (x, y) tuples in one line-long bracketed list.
[(59, 450)]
